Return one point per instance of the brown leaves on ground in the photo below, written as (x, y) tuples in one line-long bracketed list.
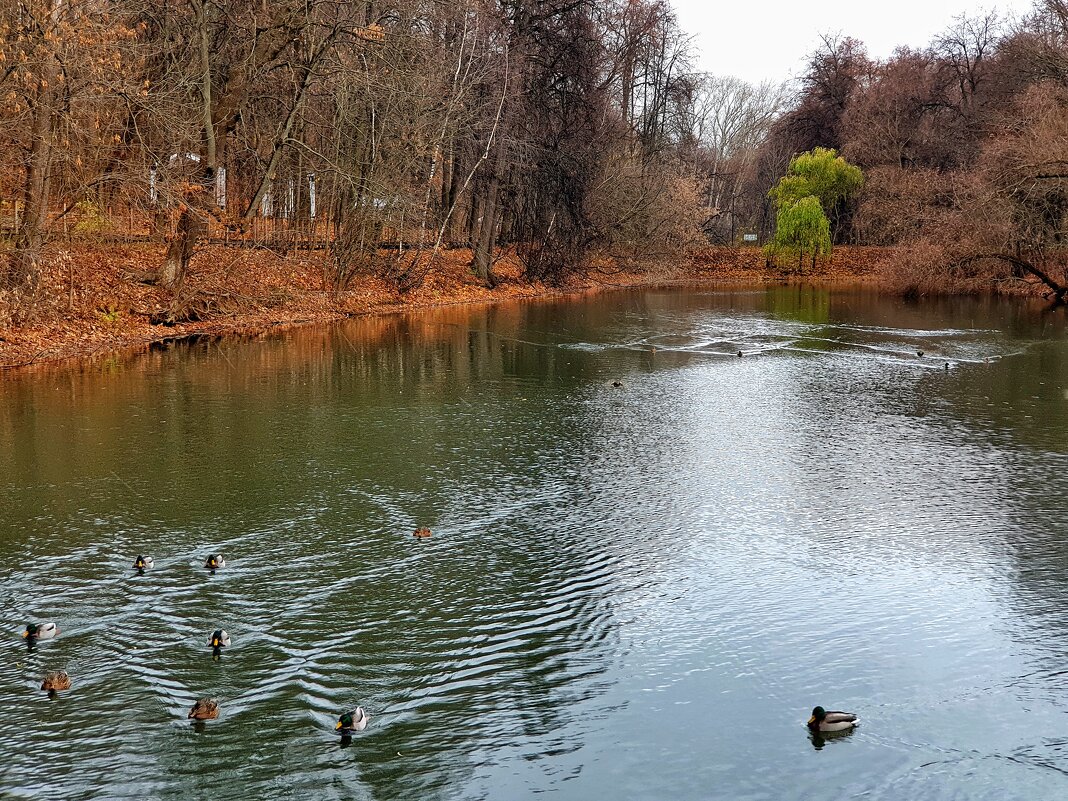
[(847, 263), (95, 299)]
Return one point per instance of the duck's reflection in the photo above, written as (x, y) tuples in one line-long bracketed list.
[(821, 738)]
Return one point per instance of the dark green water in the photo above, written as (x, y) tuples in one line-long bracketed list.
[(632, 592)]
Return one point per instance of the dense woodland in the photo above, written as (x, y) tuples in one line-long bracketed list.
[(383, 133)]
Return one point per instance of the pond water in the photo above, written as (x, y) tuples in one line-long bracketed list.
[(631, 592)]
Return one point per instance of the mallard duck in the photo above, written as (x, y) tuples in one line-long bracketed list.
[(205, 709), (143, 562), (56, 680), (40, 631), (422, 532), (356, 720), (214, 561), (219, 639), (822, 720)]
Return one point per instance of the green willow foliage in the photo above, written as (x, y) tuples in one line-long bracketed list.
[(801, 227), (815, 183), (821, 172)]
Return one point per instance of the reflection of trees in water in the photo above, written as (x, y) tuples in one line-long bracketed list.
[(490, 637), (801, 302), (1011, 359)]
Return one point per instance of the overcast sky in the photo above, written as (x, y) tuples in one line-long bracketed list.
[(768, 39)]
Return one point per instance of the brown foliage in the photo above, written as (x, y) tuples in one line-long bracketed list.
[(901, 118), (641, 216), (899, 205)]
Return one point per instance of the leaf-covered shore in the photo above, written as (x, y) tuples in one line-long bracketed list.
[(99, 306)]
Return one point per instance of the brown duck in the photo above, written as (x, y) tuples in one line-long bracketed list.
[(56, 680), (205, 709)]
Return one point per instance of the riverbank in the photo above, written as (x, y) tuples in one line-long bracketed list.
[(95, 303)]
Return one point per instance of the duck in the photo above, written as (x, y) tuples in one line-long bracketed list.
[(824, 721), (214, 561), (40, 631), (422, 532), (219, 639), (204, 709), (56, 680), (143, 563), (356, 720)]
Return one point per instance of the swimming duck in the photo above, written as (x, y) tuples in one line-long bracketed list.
[(356, 720), (143, 563), (422, 532), (40, 631), (822, 720), (205, 709), (219, 639), (56, 680), (214, 561)]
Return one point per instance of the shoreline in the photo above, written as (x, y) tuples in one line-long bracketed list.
[(108, 311)]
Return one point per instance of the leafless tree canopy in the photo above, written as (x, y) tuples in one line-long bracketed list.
[(384, 131), (562, 130)]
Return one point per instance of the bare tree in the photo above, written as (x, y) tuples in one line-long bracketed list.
[(66, 66)]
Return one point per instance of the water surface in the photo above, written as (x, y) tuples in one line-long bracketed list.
[(631, 592)]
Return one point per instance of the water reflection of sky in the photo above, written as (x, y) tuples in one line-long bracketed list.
[(632, 592)]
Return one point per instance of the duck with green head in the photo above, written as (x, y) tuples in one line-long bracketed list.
[(214, 562), (39, 631), (824, 721), (219, 639), (356, 720), (143, 563)]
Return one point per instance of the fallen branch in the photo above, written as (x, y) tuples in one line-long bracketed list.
[(26, 363), (1059, 290)]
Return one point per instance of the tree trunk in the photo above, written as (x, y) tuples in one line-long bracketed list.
[(210, 153), (482, 260), (181, 249), (447, 173), (281, 140), (24, 270), (471, 223), (1059, 291)]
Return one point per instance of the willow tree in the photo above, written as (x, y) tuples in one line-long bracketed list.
[(813, 190), (801, 228), (826, 175)]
